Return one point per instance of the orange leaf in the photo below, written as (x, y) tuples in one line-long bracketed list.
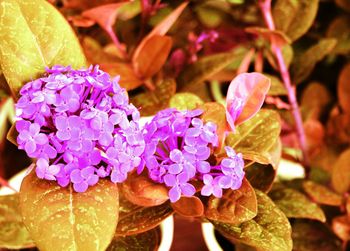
[(128, 78), (344, 88), (341, 227), (104, 15), (189, 206), (150, 58), (247, 93), (140, 190), (163, 27)]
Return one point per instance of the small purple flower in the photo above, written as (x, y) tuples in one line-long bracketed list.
[(179, 145), (80, 127)]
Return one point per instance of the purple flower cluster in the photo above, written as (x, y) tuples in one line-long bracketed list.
[(79, 126), (178, 148)]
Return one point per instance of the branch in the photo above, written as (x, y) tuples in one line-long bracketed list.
[(265, 7)]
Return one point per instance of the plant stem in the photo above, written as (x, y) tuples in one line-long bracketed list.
[(265, 6)]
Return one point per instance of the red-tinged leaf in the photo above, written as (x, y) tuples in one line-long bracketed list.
[(135, 219), (149, 241), (140, 190), (340, 30), (344, 89), (257, 138), (272, 36), (261, 176), (215, 112), (344, 4), (34, 35), (341, 227), (347, 206), (249, 89), (150, 102), (295, 204), (13, 233), (150, 58), (341, 173), (313, 235), (162, 28), (322, 194), (60, 219), (104, 15), (268, 231), (315, 98), (189, 206), (128, 78), (235, 206)]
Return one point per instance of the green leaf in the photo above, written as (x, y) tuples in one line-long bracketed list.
[(150, 102), (294, 17), (185, 101), (13, 233), (60, 219), (277, 87), (34, 35), (255, 137), (235, 206), (321, 194), (135, 219), (269, 230), (145, 241), (340, 30), (313, 235), (303, 65), (261, 176), (206, 67), (341, 173), (295, 204)]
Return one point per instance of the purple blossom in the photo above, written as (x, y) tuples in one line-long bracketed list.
[(80, 127), (179, 145)]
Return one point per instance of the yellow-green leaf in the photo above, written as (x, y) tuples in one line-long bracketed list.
[(34, 35), (13, 233), (60, 219), (185, 101), (257, 136), (235, 206), (277, 87), (150, 102), (144, 241), (294, 17), (321, 194), (295, 204), (137, 219), (206, 67), (268, 231)]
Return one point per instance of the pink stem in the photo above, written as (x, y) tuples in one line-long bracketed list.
[(265, 6), (117, 43)]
